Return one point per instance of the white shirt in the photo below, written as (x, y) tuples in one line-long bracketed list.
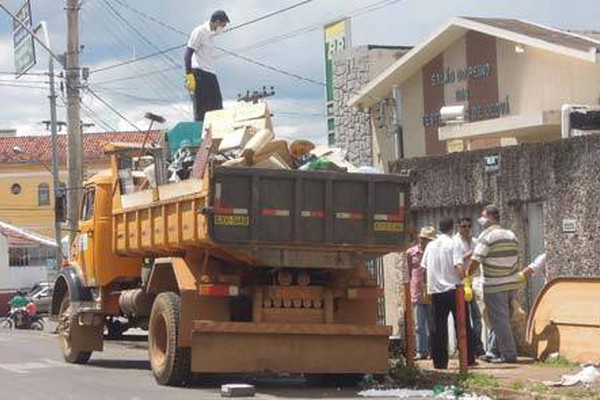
[(539, 264), (201, 41), (440, 260), (464, 246)]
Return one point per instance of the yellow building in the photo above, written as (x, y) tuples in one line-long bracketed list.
[(26, 198)]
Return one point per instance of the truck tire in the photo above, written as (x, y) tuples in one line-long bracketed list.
[(170, 363), (70, 353)]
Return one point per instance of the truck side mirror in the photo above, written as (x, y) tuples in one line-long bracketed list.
[(60, 206)]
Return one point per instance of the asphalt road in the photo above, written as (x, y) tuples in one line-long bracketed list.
[(31, 367)]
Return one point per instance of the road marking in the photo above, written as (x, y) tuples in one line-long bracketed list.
[(26, 367)]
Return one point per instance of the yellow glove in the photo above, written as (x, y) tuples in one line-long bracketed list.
[(467, 284), (522, 276), (190, 83)]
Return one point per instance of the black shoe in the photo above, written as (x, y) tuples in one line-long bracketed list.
[(473, 363), (487, 357)]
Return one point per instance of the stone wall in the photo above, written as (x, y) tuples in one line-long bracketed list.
[(352, 70), (351, 73), (564, 175)]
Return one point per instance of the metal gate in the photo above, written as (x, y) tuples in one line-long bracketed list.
[(535, 247)]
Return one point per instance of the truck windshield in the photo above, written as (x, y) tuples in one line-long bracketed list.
[(87, 209)]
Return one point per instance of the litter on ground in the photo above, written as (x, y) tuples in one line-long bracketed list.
[(587, 376)]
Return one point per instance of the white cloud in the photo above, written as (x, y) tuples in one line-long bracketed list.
[(108, 41)]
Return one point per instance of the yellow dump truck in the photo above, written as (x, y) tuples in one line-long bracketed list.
[(235, 270)]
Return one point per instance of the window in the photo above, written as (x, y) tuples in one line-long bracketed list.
[(18, 257), (87, 207), (43, 194), (29, 256), (15, 188)]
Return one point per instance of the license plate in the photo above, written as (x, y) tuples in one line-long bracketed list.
[(385, 226), (232, 220)]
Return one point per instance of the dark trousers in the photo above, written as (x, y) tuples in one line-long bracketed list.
[(443, 304), (207, 96)]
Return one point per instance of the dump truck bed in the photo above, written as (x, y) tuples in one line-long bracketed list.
[(274, 218)]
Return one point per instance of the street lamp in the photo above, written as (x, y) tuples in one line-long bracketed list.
[(56, 185)]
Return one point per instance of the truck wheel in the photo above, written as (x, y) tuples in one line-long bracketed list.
[(170, 362), (70, 353)]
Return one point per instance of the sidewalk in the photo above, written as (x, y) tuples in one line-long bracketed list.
[(524, 380)]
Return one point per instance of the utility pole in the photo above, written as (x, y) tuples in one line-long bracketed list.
[(53, 126), (75, 140)]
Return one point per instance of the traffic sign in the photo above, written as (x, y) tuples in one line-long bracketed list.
[(23, 44)]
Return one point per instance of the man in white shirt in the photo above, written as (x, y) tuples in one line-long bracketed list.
[(441, 259), (201, 81), (466, 243)]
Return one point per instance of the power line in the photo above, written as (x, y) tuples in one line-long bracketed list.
[(173, 29), (317, 26), (269, 15), (152, 55), (95, 117), (110, 107), (20, 86), (136, 76), (270, 67), (137, 32), (363, 10), (166, 83), (25, 73)]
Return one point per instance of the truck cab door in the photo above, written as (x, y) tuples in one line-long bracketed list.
[(86, 238)]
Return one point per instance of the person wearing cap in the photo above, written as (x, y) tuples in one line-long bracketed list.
[(497, 252), (421, 303), (443, 275), (200, 77)]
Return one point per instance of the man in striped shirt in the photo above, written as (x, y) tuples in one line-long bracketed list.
[(497, 251)]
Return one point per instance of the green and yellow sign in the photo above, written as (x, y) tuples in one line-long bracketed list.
[(337, 38)]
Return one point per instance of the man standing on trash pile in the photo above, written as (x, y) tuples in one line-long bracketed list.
[(466, 243), (421, 301), (497, 252), (443, 274), (201, 81)]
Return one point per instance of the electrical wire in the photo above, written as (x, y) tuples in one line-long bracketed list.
[(114, 110), (376, 6), (173, 29), (136, 76), (137, 32), (138, 59), (166, 82), (269, 15), (24, 86), (270, 67)]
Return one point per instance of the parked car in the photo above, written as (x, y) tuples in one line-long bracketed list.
[(41, 298)]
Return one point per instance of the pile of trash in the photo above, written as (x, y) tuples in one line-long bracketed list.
[(438, 392), (243, 137), (587, 376)]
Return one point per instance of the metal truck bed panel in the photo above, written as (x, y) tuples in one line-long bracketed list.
[(275, 214), (274, 218)]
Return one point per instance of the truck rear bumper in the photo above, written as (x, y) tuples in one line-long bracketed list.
[(232, 347)]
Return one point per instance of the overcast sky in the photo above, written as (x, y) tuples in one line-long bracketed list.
[(291, 41)]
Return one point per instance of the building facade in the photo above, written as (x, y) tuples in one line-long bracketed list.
[(478, 87), (352, 70), (26, 185), (511, 77)]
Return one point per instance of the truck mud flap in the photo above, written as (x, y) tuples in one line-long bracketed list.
[(237, 347)]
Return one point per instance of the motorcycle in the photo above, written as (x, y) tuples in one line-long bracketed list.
[(19, 318)]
